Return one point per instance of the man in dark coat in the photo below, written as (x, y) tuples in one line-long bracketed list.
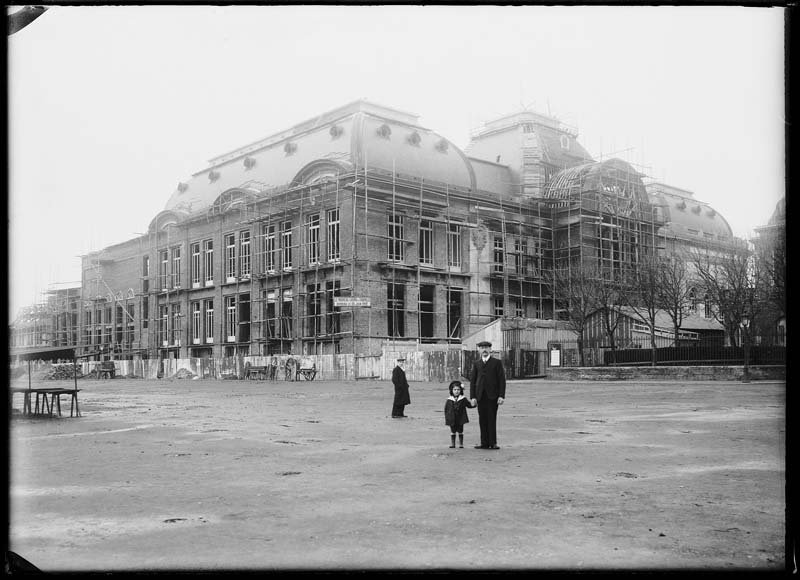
[(401, 396), (487, 389)]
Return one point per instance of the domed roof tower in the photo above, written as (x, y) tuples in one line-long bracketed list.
[(356, 135)]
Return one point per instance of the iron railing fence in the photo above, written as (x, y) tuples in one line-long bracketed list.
[(764, 351)]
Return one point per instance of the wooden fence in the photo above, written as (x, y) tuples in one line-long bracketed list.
[(429, 366)]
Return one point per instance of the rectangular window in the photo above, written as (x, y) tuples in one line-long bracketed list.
[(208, 262), (313, 310), (498, 307), (196, 265), (130, 316), (333, 323), (196, 323), (520, 250), (426, 242), (260, 264), (287, 315), (175, 330), (454, 309), (145, 273), (516, 307), (454, 245), (163, 269), (230, 318), (209, 321), (535, 259), (243, 318), (176, 267), (396, 248), (286, 244), (119, 325), (108, 327), (271, 316), (499, 256), (87, 329), (269, 249), (334, 248), (230, 258), (426, 315), (145, 312), (244, 254), (163, 320), (396, 304), (98, 329), (312, 231)]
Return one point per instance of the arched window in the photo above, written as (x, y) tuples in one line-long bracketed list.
[(692, 295), (707, 306)]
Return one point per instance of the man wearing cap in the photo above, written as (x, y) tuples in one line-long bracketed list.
[(487, 389), (401, 396)]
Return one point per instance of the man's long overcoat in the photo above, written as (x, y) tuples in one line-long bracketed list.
[(401, 396)]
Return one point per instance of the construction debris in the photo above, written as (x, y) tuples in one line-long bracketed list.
[(62, 371), (183, 374)]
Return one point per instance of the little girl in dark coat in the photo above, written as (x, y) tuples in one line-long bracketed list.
[(455, 413)]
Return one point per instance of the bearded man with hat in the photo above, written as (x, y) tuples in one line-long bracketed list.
[(401, 396), (487, 389)]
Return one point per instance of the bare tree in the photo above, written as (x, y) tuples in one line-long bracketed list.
[(674, 287), (609, 294), (575, 290), (737, 284), (771, 255), (644, 295)]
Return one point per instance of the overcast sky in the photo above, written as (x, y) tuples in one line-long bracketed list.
[(110, 107)]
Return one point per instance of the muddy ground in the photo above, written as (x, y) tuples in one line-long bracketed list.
[(235, 475)]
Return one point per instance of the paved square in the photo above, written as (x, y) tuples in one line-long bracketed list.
[(208, 475)]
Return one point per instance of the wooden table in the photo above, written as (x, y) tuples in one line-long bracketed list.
[(48, 400)]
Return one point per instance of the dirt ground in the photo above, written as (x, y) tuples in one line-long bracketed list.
[(238, 475)]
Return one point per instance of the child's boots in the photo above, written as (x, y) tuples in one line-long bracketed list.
[(453, 441), (461, 440)]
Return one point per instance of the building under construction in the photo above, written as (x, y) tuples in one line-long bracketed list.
[(361, 231)]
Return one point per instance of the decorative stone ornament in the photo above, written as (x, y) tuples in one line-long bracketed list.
[(414, 139), (696, 209), (249, 163), (290, 148), (384, 131), (183, 186), (213, 176), (336, 132), (442, 146), (480, 235)]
